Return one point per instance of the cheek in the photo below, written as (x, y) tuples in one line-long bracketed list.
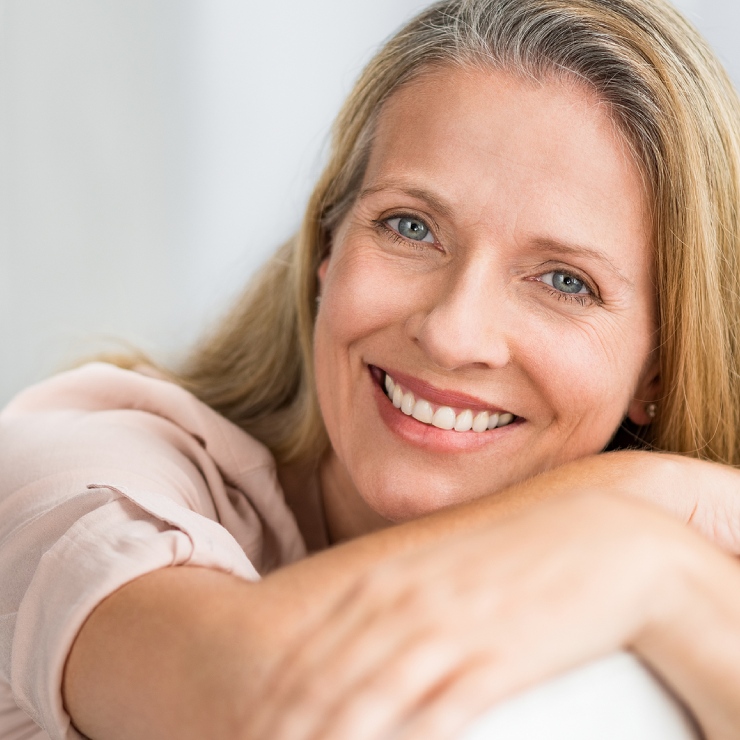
[(357, 301), (362, 293), (588, 374)]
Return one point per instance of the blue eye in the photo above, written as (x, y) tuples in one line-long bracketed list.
[(411, 228), (566, 283)]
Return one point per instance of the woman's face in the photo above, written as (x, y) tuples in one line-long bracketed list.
[(496, 265)]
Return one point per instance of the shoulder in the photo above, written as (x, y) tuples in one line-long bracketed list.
[(100, 387), (150, 440), (99, 395)]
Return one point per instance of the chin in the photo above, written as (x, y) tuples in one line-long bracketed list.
[(401, 503)]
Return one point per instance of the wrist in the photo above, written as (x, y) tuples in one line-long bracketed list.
[(690, 638)]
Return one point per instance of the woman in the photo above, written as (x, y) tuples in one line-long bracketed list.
[(526, 235)]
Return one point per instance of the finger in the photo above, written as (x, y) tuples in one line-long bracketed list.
[(317, 673), (446, 712), (308, 703), (375, 706)]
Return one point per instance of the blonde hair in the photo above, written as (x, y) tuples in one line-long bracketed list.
[(675, 106)]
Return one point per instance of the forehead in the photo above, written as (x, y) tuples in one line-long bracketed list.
[(516, 155), (502, 109)]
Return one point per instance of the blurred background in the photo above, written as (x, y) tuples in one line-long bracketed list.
[(153, 153)]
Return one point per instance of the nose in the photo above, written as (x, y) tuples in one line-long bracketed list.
[(467, 322)]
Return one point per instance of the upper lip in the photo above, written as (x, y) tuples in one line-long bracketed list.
[(440, 397)]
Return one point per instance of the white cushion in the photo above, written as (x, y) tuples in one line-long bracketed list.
[(615, 698)]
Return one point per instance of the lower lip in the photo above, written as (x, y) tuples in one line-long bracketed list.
[(430, 437)]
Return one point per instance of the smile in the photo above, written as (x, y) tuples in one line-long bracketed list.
[(444, 417)]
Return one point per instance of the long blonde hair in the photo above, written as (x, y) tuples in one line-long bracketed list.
[(675, 106)]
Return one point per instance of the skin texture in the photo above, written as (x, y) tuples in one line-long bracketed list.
[(518, 179), (511, 558)]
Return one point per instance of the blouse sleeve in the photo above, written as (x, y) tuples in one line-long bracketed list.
[(108, 475)]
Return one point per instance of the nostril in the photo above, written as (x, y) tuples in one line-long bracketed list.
[(463, 330)]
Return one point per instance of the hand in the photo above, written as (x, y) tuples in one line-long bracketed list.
[(703, 494), (716, 490), (428, 640)]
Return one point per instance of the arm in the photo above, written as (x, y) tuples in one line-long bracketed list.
[(192, 670)]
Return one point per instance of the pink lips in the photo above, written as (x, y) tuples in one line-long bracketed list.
[(428, 437), (436, 396)]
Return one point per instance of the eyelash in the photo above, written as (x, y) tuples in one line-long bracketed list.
[(388, 231), (582, 299)]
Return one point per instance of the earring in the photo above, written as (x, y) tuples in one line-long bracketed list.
[(650, 410)]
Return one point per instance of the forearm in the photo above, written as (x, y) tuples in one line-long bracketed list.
[(164, 656), (182, 651)]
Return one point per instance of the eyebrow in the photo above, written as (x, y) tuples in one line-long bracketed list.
[(555, 245), (542, 243), (418, 193)]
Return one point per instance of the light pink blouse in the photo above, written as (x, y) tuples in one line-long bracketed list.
[(109, 474)]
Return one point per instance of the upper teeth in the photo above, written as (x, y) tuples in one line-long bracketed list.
[(443, 417)]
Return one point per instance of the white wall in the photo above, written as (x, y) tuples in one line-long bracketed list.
[(153, 152), (89, 177), (719, 21)]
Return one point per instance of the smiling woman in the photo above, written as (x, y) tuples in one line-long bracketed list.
[(525, 240)]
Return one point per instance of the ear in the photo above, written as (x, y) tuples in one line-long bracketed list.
[(647, 392), (321, 272), (321, 275)]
